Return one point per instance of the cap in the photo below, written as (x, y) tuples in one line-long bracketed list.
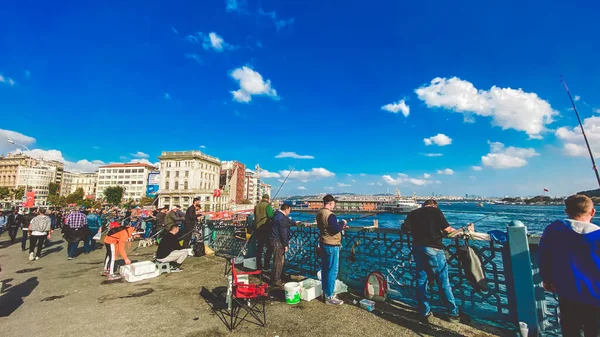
[(266, 196), (328, 198), (177, 206)]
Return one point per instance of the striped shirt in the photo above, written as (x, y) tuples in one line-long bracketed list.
[(76, 220)]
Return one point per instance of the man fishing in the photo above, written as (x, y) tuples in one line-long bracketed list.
[(330, 242), (568, 260), (263, 213), (428, 226)]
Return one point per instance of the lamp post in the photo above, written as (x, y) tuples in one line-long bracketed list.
[(28, 162)]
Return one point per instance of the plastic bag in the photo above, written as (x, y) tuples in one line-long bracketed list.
[(98, 235)]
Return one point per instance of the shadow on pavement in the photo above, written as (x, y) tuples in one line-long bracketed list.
[(5, 285), (216, 300), (57, 249), (12, 299)]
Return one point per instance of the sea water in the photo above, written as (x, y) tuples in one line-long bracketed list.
[(536, 218)]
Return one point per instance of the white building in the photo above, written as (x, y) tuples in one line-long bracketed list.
[(251, 187), (72, 181), (133, 177), (185, 175), (37, 179), (263, 189)]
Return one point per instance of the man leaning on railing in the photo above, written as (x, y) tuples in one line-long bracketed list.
[(569, 261)]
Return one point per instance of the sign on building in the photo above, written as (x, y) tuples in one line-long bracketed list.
[(153, 184)]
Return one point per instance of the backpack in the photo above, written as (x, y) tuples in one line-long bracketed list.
[(376, 287), (115, 230), (199, 249)]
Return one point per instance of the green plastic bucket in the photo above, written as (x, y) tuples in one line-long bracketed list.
[(292, 292)]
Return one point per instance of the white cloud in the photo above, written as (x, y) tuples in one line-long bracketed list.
[(439, 140), (192, 39), (447, 172), (396, 107), (238, 6), (167, 95), (7, 80), (301, 188), (203, 146), (477, 168), (251, 83), (577, 98), (215, 42), (83, 165), (432, 154), (194, 57), (501, 157), (140, 155), (279, 23), (313, 173), (15, 136), (426, 175), (508, 108), (144, 161), (267, 174), (293, 155), (174, 30), (597, 111), (343, 185), (573, 142), (404, 179)]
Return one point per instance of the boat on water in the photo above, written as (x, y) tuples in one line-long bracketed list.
[(480, 204), (499, 202), (401, 206)]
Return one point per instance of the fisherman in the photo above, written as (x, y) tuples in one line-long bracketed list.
[(330, 244), (160, 219), (190, 222), (568, 262), (280, 241), (169, 250), (263, 215), (115, 242), (40, 228), (172, 218), (428, 226)]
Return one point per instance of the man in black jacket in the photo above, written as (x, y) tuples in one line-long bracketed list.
[(160, 219), (13, 223), (169, 249), (190, 222), (280, 240)]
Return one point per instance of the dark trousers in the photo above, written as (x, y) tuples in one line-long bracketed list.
[(263, 241), (72, 248), (91, 243), (187, 231), (575, 316), (24, 240), (12, 232), (278, 260), (36, 240)]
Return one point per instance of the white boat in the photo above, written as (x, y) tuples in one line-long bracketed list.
[(401, 206), (499, 202)]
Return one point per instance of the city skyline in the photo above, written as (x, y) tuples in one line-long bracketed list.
[(451, 100)]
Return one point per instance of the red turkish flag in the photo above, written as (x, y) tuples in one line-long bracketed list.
[(546, 190), (30, 199)]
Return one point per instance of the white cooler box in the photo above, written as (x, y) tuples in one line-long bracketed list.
[(139, 271), (310, 289), (141, 268)]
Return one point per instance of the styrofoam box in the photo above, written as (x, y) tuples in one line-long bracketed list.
[(250, 263), (367, 304), (310, 289), (128, 275), (141, 268)]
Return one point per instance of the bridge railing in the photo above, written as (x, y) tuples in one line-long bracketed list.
[(509, 269)]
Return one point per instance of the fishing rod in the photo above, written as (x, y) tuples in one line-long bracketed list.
[(361, 217), (485, 217), (582, 131)]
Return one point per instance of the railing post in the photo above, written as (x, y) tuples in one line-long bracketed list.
[(522, 274)]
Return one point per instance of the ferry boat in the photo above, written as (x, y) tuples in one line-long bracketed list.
[(402, 206)]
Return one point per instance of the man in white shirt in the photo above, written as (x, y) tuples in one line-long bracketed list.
[(39, 230)]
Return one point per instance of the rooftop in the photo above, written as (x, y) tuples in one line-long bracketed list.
[(180, 155), (128, 165)]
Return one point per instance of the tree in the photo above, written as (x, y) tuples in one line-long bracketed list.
[(76, 196), (5, 193), (147, 201), (56, 200), (53, 189), (114, 194), (18, 193)]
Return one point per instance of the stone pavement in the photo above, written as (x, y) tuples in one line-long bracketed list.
[(57, 297)]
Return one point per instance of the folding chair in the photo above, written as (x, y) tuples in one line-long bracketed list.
[(247, 296)]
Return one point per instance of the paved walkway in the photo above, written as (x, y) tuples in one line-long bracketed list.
[(57, 297)]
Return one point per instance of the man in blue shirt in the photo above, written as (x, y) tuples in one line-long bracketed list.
[(569, 259)]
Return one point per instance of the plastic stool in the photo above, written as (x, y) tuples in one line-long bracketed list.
[(163, 267)]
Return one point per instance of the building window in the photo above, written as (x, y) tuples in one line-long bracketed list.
[(185, 185), (166, 185), (168, 174), (176, 185), (176, 174), (187, 174)]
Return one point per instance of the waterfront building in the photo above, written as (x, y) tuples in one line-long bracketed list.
[(133, 177), (251, 187), (232, 179), (9, 166), (185, 175), (37, 179), (71, 181)]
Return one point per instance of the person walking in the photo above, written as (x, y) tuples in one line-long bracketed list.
[(40, 229), (94, 226), (280, 241), (330, 242), (74, 231), (428, 226), (263, 215), (13, 223), (190, 222), (568, 262), (31, 213), (3, 220)]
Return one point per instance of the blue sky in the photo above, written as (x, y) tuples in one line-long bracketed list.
[(360, 88)]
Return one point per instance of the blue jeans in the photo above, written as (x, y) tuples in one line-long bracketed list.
[(330, 257), (90, 244), (72, 249), (432, 261)]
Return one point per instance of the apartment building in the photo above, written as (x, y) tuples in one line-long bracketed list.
[(36, 179), (232, 180), (133, 177), (72, 181), (251, 187)]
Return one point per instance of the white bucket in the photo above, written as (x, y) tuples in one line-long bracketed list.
[(524, 329), (292, 292)]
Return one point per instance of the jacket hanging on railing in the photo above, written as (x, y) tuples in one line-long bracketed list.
[(471, 265)]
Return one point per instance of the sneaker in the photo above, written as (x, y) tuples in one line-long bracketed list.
[(334, 301), (31, 256), (454, 319), (105, 273), (112, 277), (70, 258), (37, 258), (176, 270), (427, 318)]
